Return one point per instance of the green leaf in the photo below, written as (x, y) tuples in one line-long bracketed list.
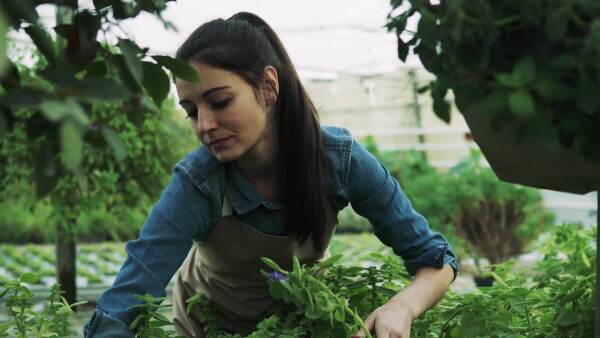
[(568, 318), (550, 88), (21, 9), (524, 71), (130, 50), (506, 80), (57, 111), (427, 29), (54, 110), (521, 104), (270, 263), (556, 24), (3, 126), (100, 90), (29, 277), (64, 30), (594, 36), (95, 139), (72, 145), (587, 97), (156, 82), (97, 69), (115, 142), (297, 268), (81, 302), (125, 74), (5, 326), (135, 322), (428, 57), (43, 42), (3, 40), (585, 260), (25, 97), (160, 317), (45, 170), (101, 4), (179, 68), (329, 261), (441, 107), (276, 291), (402, 50)]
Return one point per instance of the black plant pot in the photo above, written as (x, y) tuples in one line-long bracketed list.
[(483, 281), (530, 163)]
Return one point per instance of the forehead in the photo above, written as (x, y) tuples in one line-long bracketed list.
[(210, 77)]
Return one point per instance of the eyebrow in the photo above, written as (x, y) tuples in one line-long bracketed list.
[(208, 92)]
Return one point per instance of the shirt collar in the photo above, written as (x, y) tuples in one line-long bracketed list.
[(242, 194)]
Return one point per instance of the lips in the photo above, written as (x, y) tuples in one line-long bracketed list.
[(219, 141)]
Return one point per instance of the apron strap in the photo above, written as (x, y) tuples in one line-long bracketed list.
[(226, 210)]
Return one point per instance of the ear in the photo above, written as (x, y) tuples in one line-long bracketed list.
[(271, 85)]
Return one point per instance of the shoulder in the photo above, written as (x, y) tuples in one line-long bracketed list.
[(204, 171), (335, 138), (337, 144)]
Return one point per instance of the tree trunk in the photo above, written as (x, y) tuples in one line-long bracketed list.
[(66, 263), (66, 247)]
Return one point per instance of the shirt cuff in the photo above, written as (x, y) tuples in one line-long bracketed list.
[(437, 256), (103, 326)]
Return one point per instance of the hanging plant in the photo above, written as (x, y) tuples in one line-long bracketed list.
[(527, 70)]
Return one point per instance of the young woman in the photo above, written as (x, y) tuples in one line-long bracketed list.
[(268, 181)]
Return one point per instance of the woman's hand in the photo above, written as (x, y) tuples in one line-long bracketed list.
[(393, 320)]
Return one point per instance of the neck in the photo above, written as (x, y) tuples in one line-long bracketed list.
[(259, 161)]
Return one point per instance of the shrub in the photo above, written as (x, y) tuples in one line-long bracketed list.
[(22, 222), (496, 219), (351, 222)]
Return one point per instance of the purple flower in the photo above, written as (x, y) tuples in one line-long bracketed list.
[(278, 276), (94, 127)]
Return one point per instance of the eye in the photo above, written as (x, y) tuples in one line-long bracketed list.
[(221, 104), (191, 110)]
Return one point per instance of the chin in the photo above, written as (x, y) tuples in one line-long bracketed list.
[(225, 156)]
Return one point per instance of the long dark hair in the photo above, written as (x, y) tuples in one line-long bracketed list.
[(245, 44)]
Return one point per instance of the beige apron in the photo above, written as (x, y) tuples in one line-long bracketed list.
[(226, 269)]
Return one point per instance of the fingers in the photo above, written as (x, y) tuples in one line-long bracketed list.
[(369, 324), (381, 330)]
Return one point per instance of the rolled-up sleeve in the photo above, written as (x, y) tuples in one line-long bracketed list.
[(377, 196), (181, 214)]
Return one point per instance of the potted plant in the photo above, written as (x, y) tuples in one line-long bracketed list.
[(526, 77)]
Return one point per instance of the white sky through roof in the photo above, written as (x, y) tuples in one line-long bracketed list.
[(323, 38)]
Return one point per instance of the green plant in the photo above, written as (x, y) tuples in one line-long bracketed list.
[(52, 321), (555, 299), (403, 166), (524, 61), (82, 107), (150, 323), (351, 222), (495, 218)]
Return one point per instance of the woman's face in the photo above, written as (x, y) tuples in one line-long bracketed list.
[(227, 114)]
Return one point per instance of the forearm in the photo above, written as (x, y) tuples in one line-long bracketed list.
[(428, 287)]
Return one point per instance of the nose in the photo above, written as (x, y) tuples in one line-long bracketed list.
[(206, 122)]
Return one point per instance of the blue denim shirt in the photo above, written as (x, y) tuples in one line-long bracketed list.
[(191, 205)]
